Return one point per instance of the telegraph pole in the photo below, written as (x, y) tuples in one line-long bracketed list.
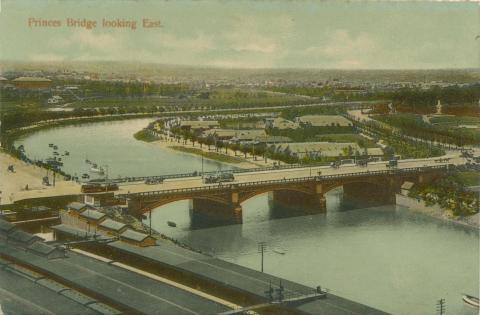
[(441, 307), (262, 247)]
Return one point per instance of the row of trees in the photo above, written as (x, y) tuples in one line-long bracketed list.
[(450, 193), (414, 126)]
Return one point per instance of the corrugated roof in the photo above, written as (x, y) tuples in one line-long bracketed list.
[(112, 225), (41, 248), (76, 205), (23, 237), (92, 214), (133, 235), (6, 226)]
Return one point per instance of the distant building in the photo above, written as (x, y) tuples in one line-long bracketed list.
[(3, 81), (325, 149), (249, 135), (324, 121), (280, 123), (137, 238), (32, 83), (199, 124)]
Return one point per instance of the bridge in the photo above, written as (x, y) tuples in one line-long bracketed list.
[(296, 189)]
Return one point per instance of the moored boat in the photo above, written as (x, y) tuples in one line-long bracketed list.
[(172, 224), (471, 300), (95, 169)]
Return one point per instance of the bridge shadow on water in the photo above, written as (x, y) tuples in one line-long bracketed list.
[(257, 209)]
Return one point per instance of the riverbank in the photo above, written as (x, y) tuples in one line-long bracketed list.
[(437, 212), (229, 158), (25, 178)]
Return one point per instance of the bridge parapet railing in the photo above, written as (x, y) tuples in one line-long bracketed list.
[(319, 178)]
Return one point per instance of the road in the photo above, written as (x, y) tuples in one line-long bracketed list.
[(195, 182)]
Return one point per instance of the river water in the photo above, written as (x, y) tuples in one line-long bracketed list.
[(386, 257)]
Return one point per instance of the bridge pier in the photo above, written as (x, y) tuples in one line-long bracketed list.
[(216, 211), (371, 195), (298, 202)]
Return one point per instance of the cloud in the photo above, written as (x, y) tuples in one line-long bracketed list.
[(342, 49), (198, 42)]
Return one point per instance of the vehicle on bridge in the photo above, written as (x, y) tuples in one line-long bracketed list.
[(154, 181), (392, 163), (94, 188), (219, 178), (362, 163), (335, 164)]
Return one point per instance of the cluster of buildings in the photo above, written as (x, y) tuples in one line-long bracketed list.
[(258, 131), (85, 220), (16, 237)]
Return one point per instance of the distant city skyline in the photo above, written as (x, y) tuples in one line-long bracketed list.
[(247, 34)]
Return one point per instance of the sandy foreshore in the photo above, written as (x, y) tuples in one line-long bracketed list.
[(26, 180)]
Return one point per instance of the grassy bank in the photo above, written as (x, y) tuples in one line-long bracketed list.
[(144, 135), (209, 155)]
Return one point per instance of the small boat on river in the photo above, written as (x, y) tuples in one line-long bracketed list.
[(50, 145), (67, 153), (172, 224), (98, 170), (55, 147), (85, 176), (471, 300), (55, 153)]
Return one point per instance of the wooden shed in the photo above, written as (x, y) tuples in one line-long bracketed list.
[(137, 238), (112, 227)]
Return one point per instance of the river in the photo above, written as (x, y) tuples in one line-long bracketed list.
[(386, 257)]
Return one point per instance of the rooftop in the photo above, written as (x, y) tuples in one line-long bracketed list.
[(93, 214), (134, 235), (112, 225), (42, 248), (76, 206), (324, 120), (6, 226), (23, 237)]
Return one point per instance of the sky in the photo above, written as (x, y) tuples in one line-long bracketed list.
[(249, 34)]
